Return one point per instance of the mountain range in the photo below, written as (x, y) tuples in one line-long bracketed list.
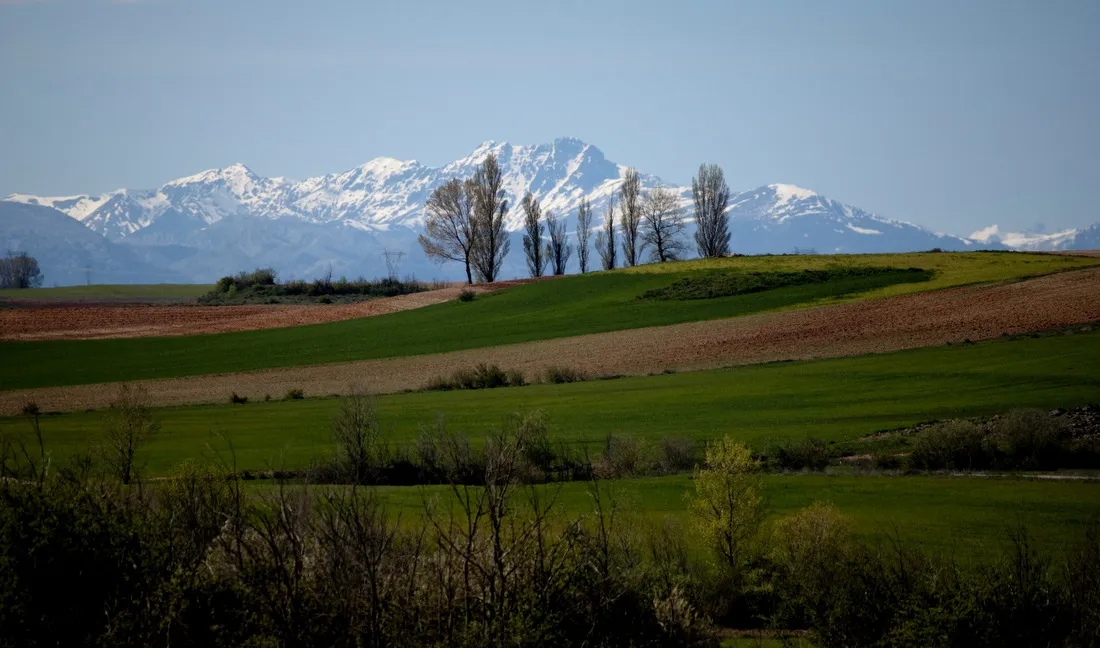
[(218, 222)]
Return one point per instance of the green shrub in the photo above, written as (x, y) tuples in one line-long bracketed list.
[(951, 445), (294, 394), (466, 295), (810, 452), (237, 400)]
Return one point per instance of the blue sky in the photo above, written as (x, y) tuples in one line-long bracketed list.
[(954, 115)]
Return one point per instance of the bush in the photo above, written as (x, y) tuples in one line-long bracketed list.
[(482, 376), (1029, 439), (810, 452), (623, 457), (561, 375), (466, 295), (294, 394), (678, 454), (951, 445), (237, 400)]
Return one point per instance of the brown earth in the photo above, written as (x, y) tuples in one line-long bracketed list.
[(905, 322), (90, 321)]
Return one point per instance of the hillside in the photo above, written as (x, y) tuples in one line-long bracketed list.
[(70, 254)]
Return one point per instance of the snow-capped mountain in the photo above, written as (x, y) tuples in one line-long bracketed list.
[(1071, 239), (224, 220)]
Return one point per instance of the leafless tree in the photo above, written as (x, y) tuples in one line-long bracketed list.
[(663, 225), (128, 424), (532, 238), (448, 229), (355, 432), (19, 270), (558, 249), (711, 196), (488, 209), (584, 230), (605, 237), (630, 216)]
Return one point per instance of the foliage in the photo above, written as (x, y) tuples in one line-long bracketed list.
[(729, 506), (260, 286), (466, 296), (809, 452), (482, 376)]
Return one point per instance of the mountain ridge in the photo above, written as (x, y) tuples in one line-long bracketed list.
[(232, 218)]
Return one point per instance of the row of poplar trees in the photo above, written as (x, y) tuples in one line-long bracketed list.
[(465, 223)]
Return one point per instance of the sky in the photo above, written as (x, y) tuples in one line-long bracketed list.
[(954, 115)]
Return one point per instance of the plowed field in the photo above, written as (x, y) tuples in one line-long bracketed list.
[(90, 321), (905, 322)]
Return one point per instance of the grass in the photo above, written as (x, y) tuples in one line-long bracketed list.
[(965, 516), (718, 283), (577, 305), (109, 292), (836, 400)]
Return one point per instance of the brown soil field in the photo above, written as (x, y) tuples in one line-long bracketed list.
[(90, 321), (905, 322)]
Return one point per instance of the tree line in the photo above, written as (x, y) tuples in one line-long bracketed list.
[(465, 224)]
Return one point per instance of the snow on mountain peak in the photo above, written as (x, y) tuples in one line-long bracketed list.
[(788, 192)]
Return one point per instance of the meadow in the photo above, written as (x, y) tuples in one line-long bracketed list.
[(569, 306), (967, 517), (836, 400)]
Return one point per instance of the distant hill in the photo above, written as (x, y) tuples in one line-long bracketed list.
[(65, 249)]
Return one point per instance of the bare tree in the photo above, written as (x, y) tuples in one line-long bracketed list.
[(488, 209), (532, 238), (584, 230), (711, 196), (355, 433), (19, 270), (558, 249), (630, 216), (663, 225), (605, 238), (448, 229), (128, 424)]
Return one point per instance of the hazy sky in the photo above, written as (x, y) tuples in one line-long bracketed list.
[(954, 115)]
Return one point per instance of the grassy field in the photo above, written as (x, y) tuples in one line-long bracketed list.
[(551, 309), (835, 399), (968, 517), (118, 292)]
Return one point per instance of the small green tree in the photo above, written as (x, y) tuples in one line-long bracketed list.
[(728, 507)]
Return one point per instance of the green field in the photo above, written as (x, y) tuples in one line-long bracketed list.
[(573, 305), (965, 516), (835, 399), (119, 292)]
